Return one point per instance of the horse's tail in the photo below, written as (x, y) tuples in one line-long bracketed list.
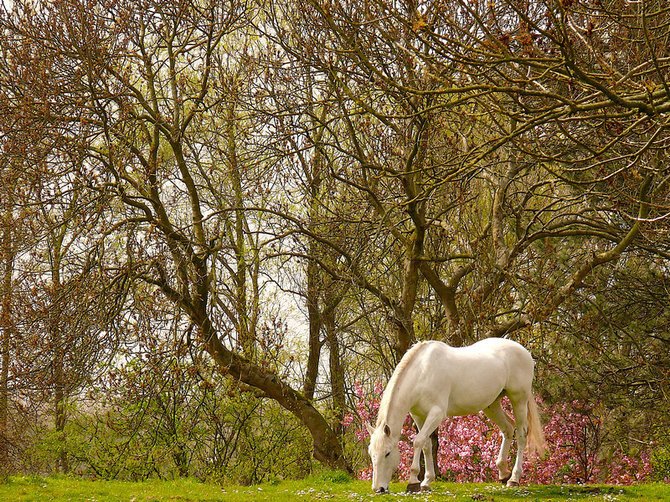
[(535, 442)]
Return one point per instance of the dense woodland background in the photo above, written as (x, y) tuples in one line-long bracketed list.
[(218, 216)]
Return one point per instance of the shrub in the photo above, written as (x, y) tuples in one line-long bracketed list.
[(186, 428), (660, 464)]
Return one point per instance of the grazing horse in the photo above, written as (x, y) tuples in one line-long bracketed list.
[(434, 381)]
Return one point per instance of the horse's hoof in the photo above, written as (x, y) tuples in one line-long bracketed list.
[(505, 479), (426, 489), (413, 488), (512, 483)]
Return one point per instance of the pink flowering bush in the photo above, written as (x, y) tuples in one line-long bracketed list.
[(472, 457), (574, 435), (469, 446)]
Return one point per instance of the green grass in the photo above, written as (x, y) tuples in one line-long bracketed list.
[(326, 486)]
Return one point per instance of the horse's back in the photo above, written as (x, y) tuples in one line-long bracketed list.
[(471, 378), (433, 354), (518, 362), (504, 349)]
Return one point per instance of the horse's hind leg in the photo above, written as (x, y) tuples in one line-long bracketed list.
[(502, 420), (520, 407)]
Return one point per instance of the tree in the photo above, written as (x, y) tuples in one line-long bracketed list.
[(463, 67), (140, 96), (535, 202)]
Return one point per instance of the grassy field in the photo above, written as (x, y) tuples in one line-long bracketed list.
[(327, 486)]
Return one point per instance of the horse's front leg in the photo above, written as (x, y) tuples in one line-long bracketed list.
[(422, 443), (414, 485)]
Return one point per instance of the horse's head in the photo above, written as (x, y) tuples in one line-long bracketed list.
[(385, 456)]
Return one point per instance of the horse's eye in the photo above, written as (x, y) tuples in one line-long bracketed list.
[(387, 454)]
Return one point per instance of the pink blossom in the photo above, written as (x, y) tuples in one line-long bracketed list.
[(468, 446)]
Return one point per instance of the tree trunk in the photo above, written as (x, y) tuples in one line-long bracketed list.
[(336, 372), (7, 326), (58, 345), (314, 318), (60, 396), (245, 329)]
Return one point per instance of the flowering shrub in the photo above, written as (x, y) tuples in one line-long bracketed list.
[(468, 447), (472, 457), (574, 435)]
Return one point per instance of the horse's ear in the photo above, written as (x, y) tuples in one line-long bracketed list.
[(387, 430), (369, 428)]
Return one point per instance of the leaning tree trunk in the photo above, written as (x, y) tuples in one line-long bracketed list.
[(326, 445)]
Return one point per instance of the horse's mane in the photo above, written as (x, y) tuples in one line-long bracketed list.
[(392, 386)]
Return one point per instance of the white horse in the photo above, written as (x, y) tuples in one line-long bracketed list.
[(434, 381)]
